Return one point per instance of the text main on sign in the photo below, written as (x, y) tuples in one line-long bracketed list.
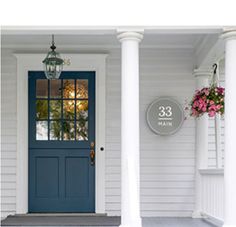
[(165, 116)]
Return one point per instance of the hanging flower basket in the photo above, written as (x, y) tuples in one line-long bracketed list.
[(208, 100)]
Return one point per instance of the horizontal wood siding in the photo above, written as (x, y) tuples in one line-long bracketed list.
[(8, 135), (167, 163)]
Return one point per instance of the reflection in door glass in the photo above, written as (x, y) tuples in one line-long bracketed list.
[(55, 130), (82, 130), (82, 120), (82, 89), (41, 89), (68, 109), (68, 128), (41, 130), (63, 115), (55, 88), (81, 108), (69, 89), (55, 109), (41, 109)]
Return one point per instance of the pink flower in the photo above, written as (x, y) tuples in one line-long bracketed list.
[(221, 90), (195, 104), (212, 102), (211, 113), (218, 107), (206, 91), (194, 112), (202, 101), (213, 107), (198, 92)]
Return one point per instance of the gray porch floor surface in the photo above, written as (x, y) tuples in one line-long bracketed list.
[(96, 221)]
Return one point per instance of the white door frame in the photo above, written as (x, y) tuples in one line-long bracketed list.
[(79, 62)]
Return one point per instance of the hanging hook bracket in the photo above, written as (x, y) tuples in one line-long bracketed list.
[(214, 68)]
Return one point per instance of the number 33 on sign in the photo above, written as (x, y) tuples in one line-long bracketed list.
[(165, 116)]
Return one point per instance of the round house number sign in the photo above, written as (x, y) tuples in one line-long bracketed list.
[(165, 116)]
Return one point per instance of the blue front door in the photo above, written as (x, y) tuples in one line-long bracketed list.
[(62, 142)]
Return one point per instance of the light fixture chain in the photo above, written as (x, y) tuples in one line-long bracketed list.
[(53, 40)]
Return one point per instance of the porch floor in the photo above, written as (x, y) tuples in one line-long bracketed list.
[(97, 220)]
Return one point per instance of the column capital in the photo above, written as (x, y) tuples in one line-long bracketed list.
[(229, 34), (130, 35), (204, 73)]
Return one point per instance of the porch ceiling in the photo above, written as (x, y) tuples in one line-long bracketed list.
[(150, 40), (199, 41)]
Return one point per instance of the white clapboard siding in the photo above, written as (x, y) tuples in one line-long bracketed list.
[(211, 132), (167, 163), (8, 136)]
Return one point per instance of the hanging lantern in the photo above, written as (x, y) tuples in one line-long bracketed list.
[(53, 63)]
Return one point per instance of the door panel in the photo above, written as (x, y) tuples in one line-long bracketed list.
[(61, 131), (46, 176), (77, 185)]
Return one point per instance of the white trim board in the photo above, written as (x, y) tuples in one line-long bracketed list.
[(211, 171), (79, 62), (101, 30)]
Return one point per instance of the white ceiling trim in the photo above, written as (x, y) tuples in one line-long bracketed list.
[(99, 30), (91, 47)]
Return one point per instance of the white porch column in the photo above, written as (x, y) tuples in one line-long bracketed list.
[(202, 80), (130, 192), (230, 129)]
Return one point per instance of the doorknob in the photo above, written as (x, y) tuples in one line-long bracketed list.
[(92, 153), (92, 144), (92, 157)]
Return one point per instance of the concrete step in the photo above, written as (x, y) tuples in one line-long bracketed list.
[(61, 220), (95, 220)]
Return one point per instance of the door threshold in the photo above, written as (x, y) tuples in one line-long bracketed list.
[(61, 214)]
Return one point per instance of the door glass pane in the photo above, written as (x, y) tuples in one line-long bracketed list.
[(41, 130), (82, 129), (82, 120), (55, 130), (55, 109), (42, 88), (64, 112), (68, 109), (55, 89), (69, 89), (81, 109), (41, 109), (68, 130), (82, 89)]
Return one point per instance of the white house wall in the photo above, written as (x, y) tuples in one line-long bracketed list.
[(167, 163), (212, 143), (8, 142)]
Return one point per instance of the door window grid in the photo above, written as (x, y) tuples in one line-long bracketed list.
[(67, 111)]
